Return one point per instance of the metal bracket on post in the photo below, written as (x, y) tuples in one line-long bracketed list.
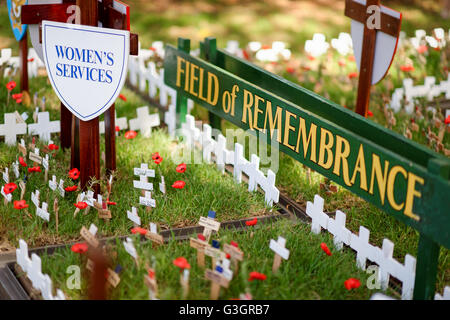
[(181, 103), (210, 55), (428, 251)]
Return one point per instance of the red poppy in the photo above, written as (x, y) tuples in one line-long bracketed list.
[(79, 248), (257, 276), (130, 134), (181, 168), (53, 147), (352, 75), (111, 203), (228, 256), (407, 68), (21, 204), (179, 184), (16, 96), (155, 155), (139, 230), (369, 113), (352, 283), (10, 85), (422, 49), (351, 58), (30, 59), (201, 237), (121, 96), (71, 188), (251, 222), (265, 47), (153, 49), (181, 263), (342, 63), (158, 159), (234, 244), (9, 187), (290, 70), (447, 120), (311, 58), (151, 274), (19, 100), (34, 169), (22, 162), (324, 247), (81, 205), (245, 54), (117, 128), (74, 174)]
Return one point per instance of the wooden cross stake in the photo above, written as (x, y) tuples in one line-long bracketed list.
[(389, 25)]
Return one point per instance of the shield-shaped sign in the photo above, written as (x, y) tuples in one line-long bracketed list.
[(14, 12), (385, 45), (86, 65)]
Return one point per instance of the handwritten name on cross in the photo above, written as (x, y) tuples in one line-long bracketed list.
[(147, 200), (143, 172), (376, 19), (209, 224)]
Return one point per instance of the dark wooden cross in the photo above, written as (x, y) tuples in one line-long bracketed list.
[(83, 136), (389, 25)]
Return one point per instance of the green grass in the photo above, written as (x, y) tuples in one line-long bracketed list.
[(308, 274)]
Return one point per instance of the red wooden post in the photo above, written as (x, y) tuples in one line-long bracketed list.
[(89, 136), (110, 139), (366, 68), (23, 44)]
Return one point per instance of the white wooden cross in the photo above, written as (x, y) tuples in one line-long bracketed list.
[(271, 192), (11, 129), (147, 200), (15, 167), (337, 228), (34, 272), (280, 252), (52, 184), (61, 190), (45, 162), (129, 247), (42, 212), (143, 172), (210, 224), (315, 212), (88, 198), (162, 185), (362, 246), (35, 157), (317, 46), (23, 260), (122, 123), (35, 198), (8, 197), (144, 121), (6, 175), (133, 216), (44, 127)]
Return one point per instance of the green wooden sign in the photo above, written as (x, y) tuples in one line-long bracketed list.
[(401, 177)]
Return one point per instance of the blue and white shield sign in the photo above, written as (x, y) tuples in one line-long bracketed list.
[(14, 12), (87, 66)]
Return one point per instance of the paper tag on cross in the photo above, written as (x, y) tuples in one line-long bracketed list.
[(6, 175), (89, 237)]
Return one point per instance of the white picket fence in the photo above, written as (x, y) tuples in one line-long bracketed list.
[(388, 266), (223, 156), (409, 93)]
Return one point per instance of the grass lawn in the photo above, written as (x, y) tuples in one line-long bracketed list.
[(308, 274)]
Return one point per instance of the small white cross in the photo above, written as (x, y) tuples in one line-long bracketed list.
[(11, 129), (89, 198), (147, 200), (315, 212), (143, 172), (61, 190), (45, 162), (279, 247), (44, 127), (144, 121), (35, 198), (6, 175), (129, 247), (52, 183), (153, 228), (42, 212), (162, 185), (133, 216), (15, 167)]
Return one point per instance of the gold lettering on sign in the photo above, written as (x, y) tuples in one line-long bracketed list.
[(381, 177), (391, 184), (411, 192), (248, 103), (274, 122), (360, 167), (288, 128), (306, 141), (326, 135), (342, 152)]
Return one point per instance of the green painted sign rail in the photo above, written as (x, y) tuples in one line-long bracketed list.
[(401, 177)]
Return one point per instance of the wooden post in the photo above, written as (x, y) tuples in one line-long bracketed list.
[(89, 136), (110, 140), (181, 104), (210, 50), (75, 143), (65, 135), (428, 251), (366, 67), (23, 63)]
